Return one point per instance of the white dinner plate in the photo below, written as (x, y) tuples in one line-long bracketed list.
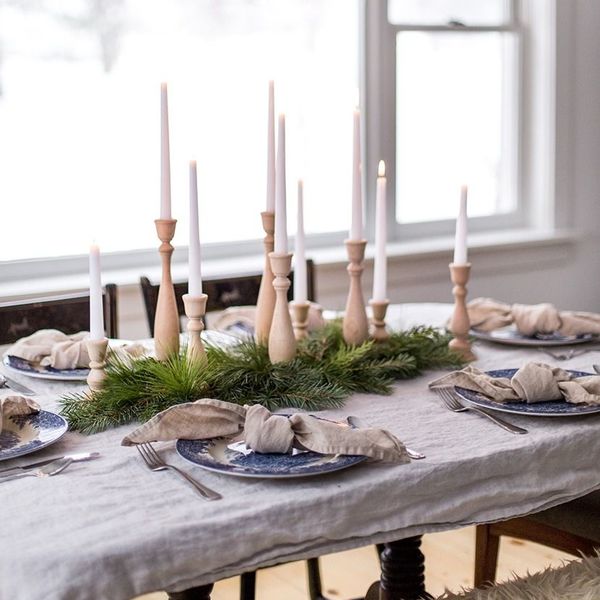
[(510, 336)]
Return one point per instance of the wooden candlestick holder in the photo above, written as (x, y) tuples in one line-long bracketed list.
[(379, 308), (195, 309), (166, 320), (300, 320), (282, 343), (265, 305), (356, 324), (97, 351), (459, 324)]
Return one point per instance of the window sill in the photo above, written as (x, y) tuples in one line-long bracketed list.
[(502, 250)]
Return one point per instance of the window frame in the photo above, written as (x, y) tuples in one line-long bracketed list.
[(379, 98)]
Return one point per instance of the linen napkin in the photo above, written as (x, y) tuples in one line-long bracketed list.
[(266, 433), (16, 405), (245, 316), (535, 382), (53, 348), (487, 314)]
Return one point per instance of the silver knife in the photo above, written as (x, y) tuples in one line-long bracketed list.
[(15, 385), (83, 456)]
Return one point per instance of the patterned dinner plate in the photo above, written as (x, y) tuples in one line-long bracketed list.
[(220, 456), (511, 337), (24, 367), (554, 408), (23, 434)]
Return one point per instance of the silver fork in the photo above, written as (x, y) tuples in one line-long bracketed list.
[(566, 355), (53, 468), (155, 463), (452, 402)]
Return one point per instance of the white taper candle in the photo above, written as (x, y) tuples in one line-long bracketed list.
[(96, 310), (300, 293), (165, 156), (460, 241), (195, 271), (356, 227), (380, 266), (281, 240), (271, 150)]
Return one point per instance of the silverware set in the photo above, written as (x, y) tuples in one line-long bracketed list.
[(454, 403), (45, 468), (15, 385)]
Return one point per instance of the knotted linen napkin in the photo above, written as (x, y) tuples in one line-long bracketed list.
[(264, 432), (245, 317), (535, 382), (53, 348), (486, 314), (16, 405)]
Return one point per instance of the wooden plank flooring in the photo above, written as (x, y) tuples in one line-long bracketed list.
[(449, 562)]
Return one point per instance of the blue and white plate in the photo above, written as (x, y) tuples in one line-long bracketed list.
[(217, 455), (23, 434), (24, 367), (554, 408), (510, 336)]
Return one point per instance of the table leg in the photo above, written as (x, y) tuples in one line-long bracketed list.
[(403, 571), (197, 593)]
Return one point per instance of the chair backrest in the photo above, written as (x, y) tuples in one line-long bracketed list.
[(69, 313), (239, 290)]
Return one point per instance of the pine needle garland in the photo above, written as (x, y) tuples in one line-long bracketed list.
[(325, 371)]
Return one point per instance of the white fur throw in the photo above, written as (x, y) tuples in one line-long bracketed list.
[(576, 580)]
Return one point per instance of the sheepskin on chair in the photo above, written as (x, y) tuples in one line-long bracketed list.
[(576, 580)]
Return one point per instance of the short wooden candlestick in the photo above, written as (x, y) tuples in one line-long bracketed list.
[(379, 308), (97, 351), (356, 324), (282, 343), (300, 320), (265, 305), (195, 309), (166, 320), (459, 324)]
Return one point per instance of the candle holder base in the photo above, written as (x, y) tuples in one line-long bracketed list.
[(355, 325), (97, 351), (166, 320), (300, 320), (379, 308), (265, 305), (282, 343), (459, 324), (195, 309)]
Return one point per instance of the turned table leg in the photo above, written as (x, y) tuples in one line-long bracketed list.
[(198, 593), (402, 571)]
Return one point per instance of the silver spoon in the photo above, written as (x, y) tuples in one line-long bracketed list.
[(356, 422)]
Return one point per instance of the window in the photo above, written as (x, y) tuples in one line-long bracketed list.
[(449, 80), (80, 118)]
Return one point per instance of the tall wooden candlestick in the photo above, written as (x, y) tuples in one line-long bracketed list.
[(97, 351), (379, 308), (265, 304), (195, 309), (300, 320), (282, 343), (459, 324), (166, 320), (356, 324)]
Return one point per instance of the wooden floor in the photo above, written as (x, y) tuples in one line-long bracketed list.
[(449, 562)]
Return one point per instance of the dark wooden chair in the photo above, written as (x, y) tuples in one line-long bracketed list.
[(573, 527), (69, 313), (223, 292)]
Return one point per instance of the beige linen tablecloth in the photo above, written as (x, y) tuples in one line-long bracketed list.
[(110, 529)]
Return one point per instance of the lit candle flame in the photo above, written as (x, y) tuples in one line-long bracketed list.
[(381, 169)]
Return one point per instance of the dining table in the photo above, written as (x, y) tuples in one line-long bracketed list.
[(112, 529)]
